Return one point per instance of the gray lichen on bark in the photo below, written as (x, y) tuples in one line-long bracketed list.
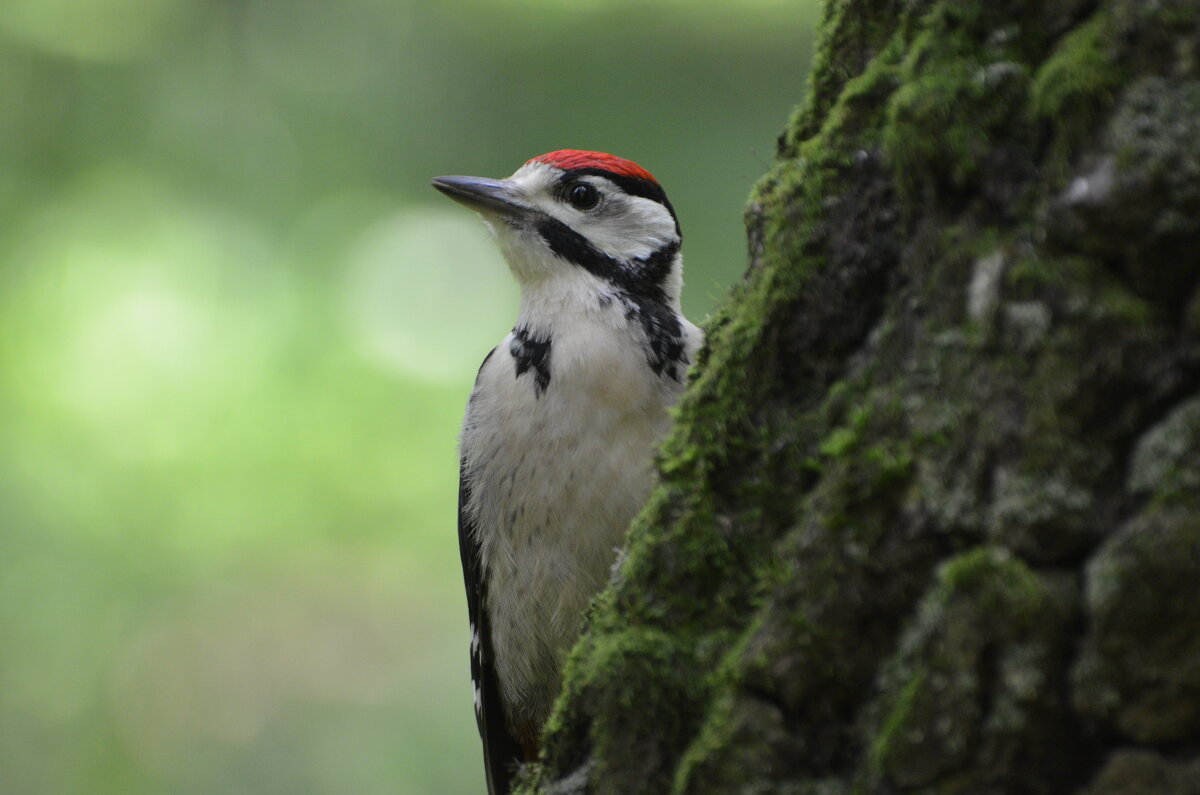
[(930, 518)]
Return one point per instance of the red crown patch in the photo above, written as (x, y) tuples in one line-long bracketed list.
[(570, 159)]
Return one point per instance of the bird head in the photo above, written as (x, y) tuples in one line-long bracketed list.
[(598, 220)]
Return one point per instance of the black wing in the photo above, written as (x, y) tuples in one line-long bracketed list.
[(501, 751)]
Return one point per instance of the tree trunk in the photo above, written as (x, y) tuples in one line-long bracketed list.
[(930, 518)]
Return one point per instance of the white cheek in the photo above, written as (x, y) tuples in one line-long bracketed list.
[(638, 229), (528, 255)]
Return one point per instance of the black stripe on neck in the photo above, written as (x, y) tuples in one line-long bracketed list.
[(664, 334), (639, 287)]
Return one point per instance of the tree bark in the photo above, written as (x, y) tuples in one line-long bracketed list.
[(930, 517)]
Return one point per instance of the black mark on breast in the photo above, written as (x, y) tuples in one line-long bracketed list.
[(532, 353)]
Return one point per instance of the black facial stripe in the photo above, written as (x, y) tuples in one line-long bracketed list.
[(639, 289), (638, 282), (634, 186), (531, 353), (664, 334), (656, 267), (642, 276)]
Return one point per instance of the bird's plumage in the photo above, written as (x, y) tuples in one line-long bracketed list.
[(558, 438), (500, 748)]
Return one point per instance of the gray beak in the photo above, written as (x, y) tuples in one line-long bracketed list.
[(495, 196)]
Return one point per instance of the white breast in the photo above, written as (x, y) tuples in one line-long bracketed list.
[(556, 479)]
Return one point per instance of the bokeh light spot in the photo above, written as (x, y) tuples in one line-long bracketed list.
[(422, 288)]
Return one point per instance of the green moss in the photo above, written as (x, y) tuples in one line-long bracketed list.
[(843, 439), (899, 719), (960, 84), (1076, 86), (720, 724), (839, 442), (892, 463), (1138, 668), (857, 113), (848, 39), (998, 583), (988, 625), (634, 672), (1108, 298), (942, 122), (1030, 277)]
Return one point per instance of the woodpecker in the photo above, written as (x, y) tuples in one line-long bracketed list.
[(557, 443)]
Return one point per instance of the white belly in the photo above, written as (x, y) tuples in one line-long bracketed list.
[(556, 479)]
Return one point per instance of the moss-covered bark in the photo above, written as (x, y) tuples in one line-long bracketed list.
[(930, 520)]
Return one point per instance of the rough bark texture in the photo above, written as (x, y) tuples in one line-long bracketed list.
[(930, 520)]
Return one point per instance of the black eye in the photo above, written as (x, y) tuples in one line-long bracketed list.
[(583, 196)]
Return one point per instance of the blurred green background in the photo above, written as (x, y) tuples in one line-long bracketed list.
[(237, 330)]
